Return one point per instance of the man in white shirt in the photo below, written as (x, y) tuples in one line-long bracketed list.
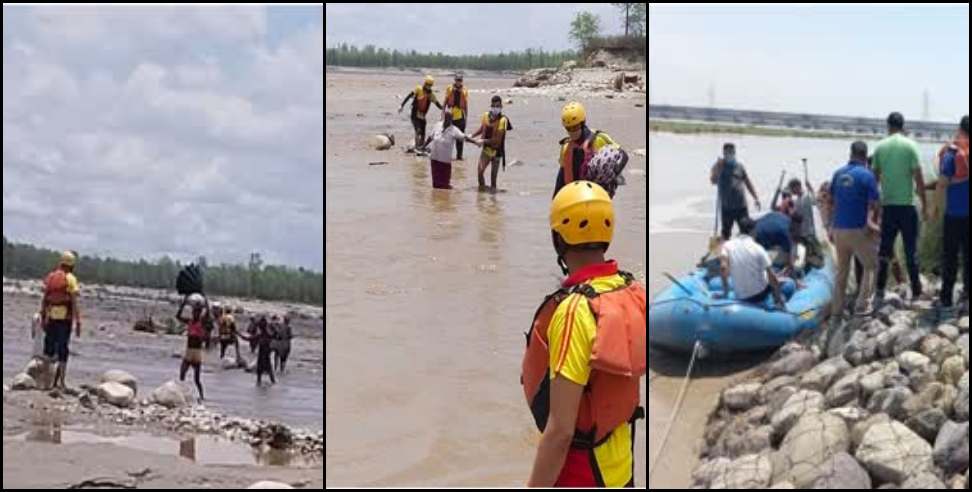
[(750, 268)]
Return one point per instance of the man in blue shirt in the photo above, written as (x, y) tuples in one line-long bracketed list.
[(777, 230), (856, 214), (954, 162)]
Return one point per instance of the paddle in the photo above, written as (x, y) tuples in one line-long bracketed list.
[(779, 190)]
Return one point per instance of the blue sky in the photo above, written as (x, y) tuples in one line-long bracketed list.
[(854, 60)]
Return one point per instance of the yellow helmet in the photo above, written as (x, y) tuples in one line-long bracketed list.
[(68, 259), (582, 213), (429, 80), (573, 114)]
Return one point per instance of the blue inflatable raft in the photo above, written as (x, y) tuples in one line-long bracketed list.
[(692, 310)]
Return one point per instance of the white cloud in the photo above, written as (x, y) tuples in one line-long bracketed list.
[(161, 130)]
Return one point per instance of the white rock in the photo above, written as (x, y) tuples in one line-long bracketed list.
[(172, 395), (116, 394), (912, 361), (22, 382), (741, 397), (748, 472), (892, 452), (121, 377)]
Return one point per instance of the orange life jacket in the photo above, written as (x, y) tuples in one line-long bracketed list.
[(56, 289), (961, 148), (618, 361), (422, 100), (492, 126), (456, 99), (574, 158)]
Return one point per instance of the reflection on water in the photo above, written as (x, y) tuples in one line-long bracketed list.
[(202, 449)]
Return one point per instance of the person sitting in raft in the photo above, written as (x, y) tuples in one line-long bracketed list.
[(749, 266)]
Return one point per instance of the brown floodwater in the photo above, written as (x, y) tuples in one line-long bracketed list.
[(429, 292)]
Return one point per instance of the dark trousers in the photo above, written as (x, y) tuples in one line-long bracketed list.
[(419, 125), (956, 241), (461, 125), (441, 175), (897, 219), (730, 217)]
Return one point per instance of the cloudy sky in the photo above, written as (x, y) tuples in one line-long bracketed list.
[(143, 131), (462, 28), (857, 60)]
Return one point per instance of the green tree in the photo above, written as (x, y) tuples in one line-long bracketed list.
[(583, 28)]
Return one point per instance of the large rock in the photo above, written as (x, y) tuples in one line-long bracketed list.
[(23, 382), (951, 452), (938, 349), (801, 403), (843, 472), (932, 395), (947, 331), (753, 441), (382, 141), (909, 340), (923, 481), (859, 430), (961, 406), (772, 389), (42, 371), (172, 395), (912, 362), (749, 472), (891, 452), (820, 377), (845, 391), (709, 471), (890, 401), (742, 397), (952, 370), (887, 338), (814, 440), (796, 362), (116, 394), (851, 415), (873, 382), (927, 423), (120, 377)]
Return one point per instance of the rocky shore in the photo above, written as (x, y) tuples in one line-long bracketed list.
[(880, 403)]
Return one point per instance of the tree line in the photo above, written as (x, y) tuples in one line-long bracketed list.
[(370, 56), (253, 280)]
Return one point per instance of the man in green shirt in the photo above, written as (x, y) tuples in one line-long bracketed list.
[(897, 166)]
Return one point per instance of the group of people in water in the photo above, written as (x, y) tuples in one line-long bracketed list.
[(585, 153), (586, 349), (269, 336), (269, 339), (866, 206)]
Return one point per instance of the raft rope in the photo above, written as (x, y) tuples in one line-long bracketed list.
[(696, 351), (725, 303)]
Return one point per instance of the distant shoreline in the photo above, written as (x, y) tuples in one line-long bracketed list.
[(680, 127)]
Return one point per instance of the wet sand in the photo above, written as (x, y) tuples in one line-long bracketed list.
[(429, 292)]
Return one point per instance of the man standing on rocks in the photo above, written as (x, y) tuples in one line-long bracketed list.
[(855, 196), (897, 166), (59, 311), (954, 162)]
